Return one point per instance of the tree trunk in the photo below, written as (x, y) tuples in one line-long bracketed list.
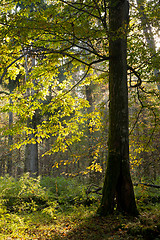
[(31, 159), (10, 142), (118, 183), (147, 30), (31, 152), (89, 98)]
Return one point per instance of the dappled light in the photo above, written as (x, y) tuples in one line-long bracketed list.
[(79, 119)]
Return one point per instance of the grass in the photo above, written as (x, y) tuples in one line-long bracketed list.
[(63, 215)]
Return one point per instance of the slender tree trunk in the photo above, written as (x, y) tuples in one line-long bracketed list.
[(118, 183), (89, 98), (31, 152), (149, 36), (147, 30), (10, 142)]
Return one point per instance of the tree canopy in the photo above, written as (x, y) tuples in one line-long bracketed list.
[(76, 44)]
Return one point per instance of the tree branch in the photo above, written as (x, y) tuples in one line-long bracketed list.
[(136, 120), (139, 81), (5, 71), (3, 92), (147, 185), (80, 9)]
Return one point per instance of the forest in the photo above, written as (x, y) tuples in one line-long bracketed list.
[(79, 119)]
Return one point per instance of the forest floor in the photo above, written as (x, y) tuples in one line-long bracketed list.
[(61, 209), (81, 223)]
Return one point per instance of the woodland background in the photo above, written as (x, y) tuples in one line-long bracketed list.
[(54, 113), (58, 112)]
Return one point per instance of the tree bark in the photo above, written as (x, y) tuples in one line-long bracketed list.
[(31, 159), (10, 142), (147, 30), (31, 151), (88, 89), (118, 184)]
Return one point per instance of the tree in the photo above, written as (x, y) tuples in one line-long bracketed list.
[(10, 140), (147, 97), (148, 33), (118, 182), (31, 151), (70, 43), (78, 33)]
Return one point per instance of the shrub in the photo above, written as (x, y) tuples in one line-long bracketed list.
[(25, 194), (66, 191)]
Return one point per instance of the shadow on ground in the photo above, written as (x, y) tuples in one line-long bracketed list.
[(111, 227)]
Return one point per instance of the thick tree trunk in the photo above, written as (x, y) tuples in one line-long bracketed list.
[(118, 184)]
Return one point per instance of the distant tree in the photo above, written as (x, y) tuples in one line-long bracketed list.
[(80, 33), (148, 33), (31, 151)]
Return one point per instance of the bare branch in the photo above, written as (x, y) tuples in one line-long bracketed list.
[(139, 81), (136, 120), (80, 9)]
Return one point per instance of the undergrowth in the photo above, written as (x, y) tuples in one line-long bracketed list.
[(59, 208)]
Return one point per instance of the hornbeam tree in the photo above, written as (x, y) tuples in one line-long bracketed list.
[(118, 183)]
